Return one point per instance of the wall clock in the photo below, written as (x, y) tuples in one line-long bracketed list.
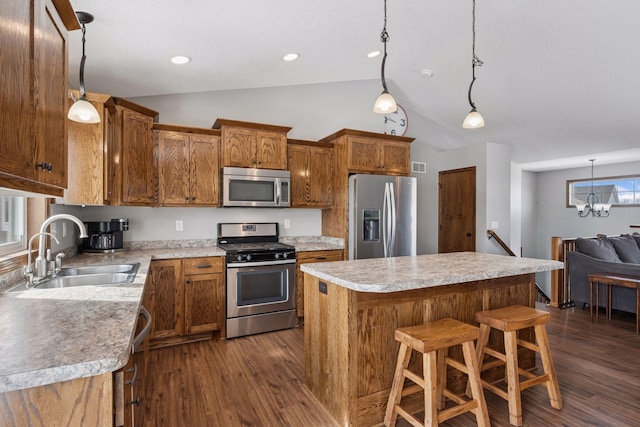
[(396, 123)]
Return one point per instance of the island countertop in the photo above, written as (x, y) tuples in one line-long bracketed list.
[(383, 275)]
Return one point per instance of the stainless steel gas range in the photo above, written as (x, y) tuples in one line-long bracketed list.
[(261, 274)]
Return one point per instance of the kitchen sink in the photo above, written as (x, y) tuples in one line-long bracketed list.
[(99, 269), (86, 280)]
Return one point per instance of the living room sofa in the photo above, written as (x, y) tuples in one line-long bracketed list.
[(615, 254)]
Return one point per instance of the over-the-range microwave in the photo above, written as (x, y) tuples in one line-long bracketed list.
[(258, 188)]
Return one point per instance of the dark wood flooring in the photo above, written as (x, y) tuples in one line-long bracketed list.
[(258, 380)]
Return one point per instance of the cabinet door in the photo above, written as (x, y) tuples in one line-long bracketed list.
[(238, 147), (271, 150), (171, 153), (164, 298), (204, 303), (298, 168), (396, 157), (204, 169), (320, 177), (137, 158), (364, 155), (16, 120), (308, 257), (50, 83)]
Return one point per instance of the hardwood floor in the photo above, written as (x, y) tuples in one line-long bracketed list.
[(258, 380)]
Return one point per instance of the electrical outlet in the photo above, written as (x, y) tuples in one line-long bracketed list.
[(179, 225), (287, 223)]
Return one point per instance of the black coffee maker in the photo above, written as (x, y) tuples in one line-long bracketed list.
[(105, 236)]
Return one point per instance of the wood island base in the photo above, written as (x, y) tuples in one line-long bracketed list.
[(350, 350)]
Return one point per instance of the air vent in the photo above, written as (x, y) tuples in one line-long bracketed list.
[(418, 167)]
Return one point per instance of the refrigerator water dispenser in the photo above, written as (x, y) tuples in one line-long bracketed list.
[(371, 224)]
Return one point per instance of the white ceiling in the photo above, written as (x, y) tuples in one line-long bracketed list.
[(559, 81)]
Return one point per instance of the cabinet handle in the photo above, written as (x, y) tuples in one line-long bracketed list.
[(135, 375), (45, 166), (204, 266), (186, 198), (320, 258), (193, 198)]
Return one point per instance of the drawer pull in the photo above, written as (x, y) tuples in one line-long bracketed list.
[(204, 266), (321, 257)]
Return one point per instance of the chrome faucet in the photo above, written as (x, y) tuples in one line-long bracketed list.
[(43, 260), (28, 269)]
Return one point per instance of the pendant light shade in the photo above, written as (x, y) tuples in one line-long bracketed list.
[(473, 120), (82, 110), (385, 103)]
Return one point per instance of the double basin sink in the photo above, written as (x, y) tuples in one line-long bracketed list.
[(91, 275)]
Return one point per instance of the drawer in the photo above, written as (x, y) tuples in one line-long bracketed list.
[(319, 256), (204, 265)]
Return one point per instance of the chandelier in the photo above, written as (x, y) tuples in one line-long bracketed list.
[(385, 103), (592, 206), (473, 120)]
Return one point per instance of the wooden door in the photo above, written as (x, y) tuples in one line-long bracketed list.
[(271, 150), (320, 177), (172, 152), (204, 302), (238, 147), (457, 210), (204, 173), (298, 158), (137, 161), (50, 83), (16, 120), (364, 155), (395, 157), (164, 298)]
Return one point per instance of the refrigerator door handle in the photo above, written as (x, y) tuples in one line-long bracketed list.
[(385, 219), (392, 207)]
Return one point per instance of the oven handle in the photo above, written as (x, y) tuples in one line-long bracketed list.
[(261, 263)]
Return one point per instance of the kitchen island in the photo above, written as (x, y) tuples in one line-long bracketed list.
[(352, 309)]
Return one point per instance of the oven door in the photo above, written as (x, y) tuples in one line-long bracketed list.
[(260, 287)]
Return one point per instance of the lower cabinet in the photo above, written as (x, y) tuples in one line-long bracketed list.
[(129, 392), (308, 257), (185, 298)]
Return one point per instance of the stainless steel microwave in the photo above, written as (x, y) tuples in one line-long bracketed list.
[(258, 188)]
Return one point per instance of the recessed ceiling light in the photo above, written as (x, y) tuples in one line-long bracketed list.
[(290, 57), (180, 60), (373, 54)]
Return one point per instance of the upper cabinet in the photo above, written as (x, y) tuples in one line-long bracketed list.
[(311, 166), (187, 165), (111, 162), (378, 156), (33, 91), (252, 145)]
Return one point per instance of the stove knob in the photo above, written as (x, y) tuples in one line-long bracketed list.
[(276, 255), (248, 257), (239, 257), (285, 255)]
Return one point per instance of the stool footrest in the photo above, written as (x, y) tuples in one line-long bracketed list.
[(412, 389), (407, 416), (457, 410), (455, 364), (542, 379), (413, 377), (496, 354), (529, 345), (495, 389), (454, 397)]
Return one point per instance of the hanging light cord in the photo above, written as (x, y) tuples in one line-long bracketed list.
[(475, 61), (83, 95), (384, 38)]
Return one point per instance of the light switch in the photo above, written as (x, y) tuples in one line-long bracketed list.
[(494, 225)]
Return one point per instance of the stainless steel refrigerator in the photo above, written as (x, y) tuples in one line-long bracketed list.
[(382, 216)]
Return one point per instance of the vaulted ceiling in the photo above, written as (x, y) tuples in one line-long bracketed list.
[(559, 79)]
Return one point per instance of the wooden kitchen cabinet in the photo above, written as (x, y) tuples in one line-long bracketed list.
[(252, 145), (33, 91), (311, 166), (378, 156), (111, 162), (186, 299), (187, 165), (308, 257), (164, 298)]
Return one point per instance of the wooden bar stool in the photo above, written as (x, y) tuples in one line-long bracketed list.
[(433, 340), (510, 320)]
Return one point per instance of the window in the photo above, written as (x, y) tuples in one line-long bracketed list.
[(12, 224), (617, 190)]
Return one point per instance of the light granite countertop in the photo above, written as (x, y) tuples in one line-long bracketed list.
[(54, 335), (415, 272)]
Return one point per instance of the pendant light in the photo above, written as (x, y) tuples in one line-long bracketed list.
[(473, 120), (82, 110), (592, 206), (385, 103)]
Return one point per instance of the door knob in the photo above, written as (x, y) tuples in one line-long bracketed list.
[(468, 234)]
